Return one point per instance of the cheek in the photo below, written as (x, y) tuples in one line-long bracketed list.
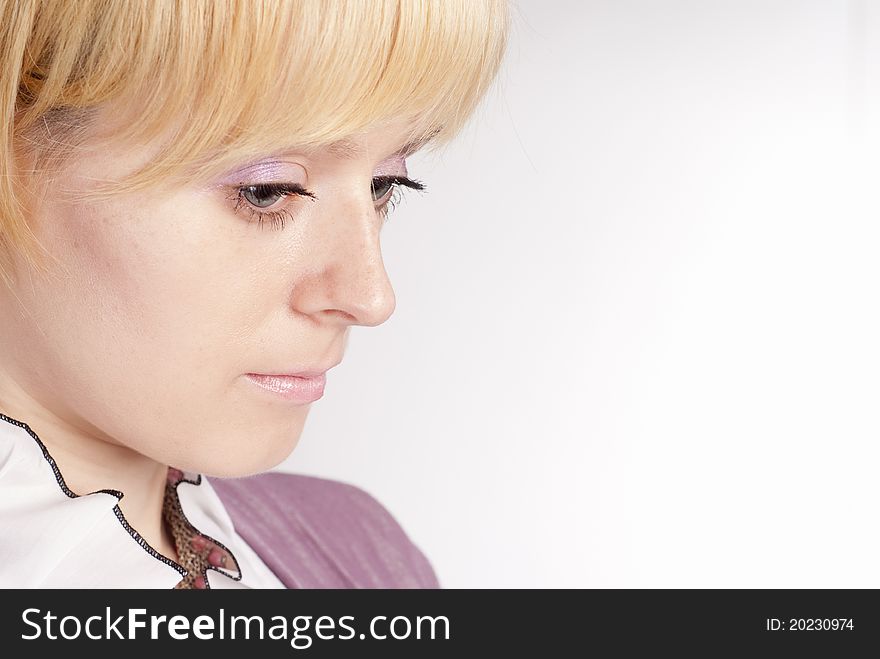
[(109, 265), (148, 334), (143, 305), (124, 276)]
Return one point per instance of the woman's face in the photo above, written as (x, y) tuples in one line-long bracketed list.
[(165, 300)]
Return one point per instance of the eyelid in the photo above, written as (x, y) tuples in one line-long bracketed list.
[(393, 166), (267, 172)]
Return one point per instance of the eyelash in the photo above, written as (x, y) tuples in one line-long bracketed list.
[(277, 217)]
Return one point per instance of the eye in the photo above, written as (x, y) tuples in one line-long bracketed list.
[(253, 198), (261, 196), (384, 189), (264, 195), (382, 185), (386, 192)]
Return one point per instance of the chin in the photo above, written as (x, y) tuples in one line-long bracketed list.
[(235, 463)]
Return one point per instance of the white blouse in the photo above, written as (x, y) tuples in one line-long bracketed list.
[(52, 539)]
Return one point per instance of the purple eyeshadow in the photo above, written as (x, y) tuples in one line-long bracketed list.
[(262, 172)]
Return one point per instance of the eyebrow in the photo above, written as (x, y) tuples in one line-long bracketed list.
[(345, 148), (348, 149)]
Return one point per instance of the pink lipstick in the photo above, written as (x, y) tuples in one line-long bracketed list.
[(295, 388)]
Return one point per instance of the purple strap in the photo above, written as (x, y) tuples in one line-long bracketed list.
[(319, 533)]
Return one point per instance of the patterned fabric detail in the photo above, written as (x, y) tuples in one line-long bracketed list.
[(196, 552)]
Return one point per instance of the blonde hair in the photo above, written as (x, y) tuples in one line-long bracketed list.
[(237, 77)]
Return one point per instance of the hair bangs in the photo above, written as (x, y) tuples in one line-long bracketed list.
[(215, 83), (308, 74)]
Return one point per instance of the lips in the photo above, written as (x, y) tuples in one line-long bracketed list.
[(298, 388)]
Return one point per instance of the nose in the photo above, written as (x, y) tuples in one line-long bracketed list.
[(345, 279)]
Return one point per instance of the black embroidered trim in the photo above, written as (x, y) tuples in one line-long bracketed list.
[(118, 511), (204, 575)]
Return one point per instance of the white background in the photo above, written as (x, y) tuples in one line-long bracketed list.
[(637, 329)]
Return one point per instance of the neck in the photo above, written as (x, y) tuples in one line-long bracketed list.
[(88, 464)]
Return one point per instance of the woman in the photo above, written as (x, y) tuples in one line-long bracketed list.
[(191, 197)]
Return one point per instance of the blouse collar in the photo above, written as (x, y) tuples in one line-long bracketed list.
[(53, 538)]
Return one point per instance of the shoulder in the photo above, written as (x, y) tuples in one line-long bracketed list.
[(323, 533)]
